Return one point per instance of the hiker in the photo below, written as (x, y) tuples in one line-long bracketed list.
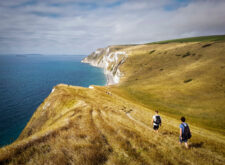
[(185, 132), (156, 121)]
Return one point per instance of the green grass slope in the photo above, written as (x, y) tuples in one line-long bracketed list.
[(179, 79), (194, 39)]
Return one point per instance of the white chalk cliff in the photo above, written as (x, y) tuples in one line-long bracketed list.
[(109, 59)]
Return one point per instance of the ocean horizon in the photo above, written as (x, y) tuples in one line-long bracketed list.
[(26, 80)]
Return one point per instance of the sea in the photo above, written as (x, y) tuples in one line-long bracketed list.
[(26, 80)]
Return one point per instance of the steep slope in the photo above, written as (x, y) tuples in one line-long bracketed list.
[(111, 124)]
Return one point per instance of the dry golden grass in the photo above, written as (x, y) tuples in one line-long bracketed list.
[(112, 125), (96, 129)]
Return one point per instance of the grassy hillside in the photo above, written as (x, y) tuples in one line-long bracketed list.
[(179, 79), (94, 126), (112, 124)]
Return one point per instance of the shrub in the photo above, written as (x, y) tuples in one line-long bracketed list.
[(188, 80), (187, 54), (151, 51), (206, 45)]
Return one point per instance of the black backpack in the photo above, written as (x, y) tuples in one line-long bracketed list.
[(187, 133), (157, 120)]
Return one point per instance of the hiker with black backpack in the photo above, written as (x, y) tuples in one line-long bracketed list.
[(156, 121), (185, 132)]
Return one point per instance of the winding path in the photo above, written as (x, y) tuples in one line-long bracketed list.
[(140, 123)]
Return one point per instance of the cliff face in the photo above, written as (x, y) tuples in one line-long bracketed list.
[(110, 59)]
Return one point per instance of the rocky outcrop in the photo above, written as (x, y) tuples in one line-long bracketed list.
[(110, 59)]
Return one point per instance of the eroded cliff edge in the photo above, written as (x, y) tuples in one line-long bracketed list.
[(110, 59)]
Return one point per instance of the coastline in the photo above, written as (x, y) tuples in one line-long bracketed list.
[(109, 76), (109, 61), (32, 93)]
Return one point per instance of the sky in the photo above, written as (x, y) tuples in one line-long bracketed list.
[(79, 27)]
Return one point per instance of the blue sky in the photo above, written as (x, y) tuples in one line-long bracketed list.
[(81, 26)]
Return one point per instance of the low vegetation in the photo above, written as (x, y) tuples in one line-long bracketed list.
[(188, 80), (152, 51)]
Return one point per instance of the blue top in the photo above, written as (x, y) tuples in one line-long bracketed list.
[(182, 126)]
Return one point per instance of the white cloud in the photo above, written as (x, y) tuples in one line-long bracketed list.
[(66, 27)]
